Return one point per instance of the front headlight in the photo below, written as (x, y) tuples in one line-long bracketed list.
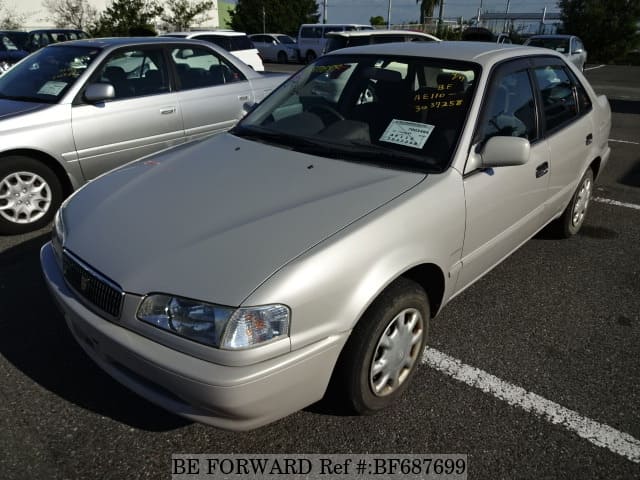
[(58, 233), (214, 325)]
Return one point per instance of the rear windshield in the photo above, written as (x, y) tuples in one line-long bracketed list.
[(336, 43), (231, 44), (558, 44)]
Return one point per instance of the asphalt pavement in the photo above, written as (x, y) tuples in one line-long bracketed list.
[(559, 319)]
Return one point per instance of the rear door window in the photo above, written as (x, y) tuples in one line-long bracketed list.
[(200, 67)]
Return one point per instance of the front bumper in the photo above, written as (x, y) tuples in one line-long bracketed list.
[(231, 397)]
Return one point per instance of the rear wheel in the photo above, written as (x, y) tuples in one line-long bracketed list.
[(573, 217), (311, 56), (385, 347), (30, 194), (282, 57)]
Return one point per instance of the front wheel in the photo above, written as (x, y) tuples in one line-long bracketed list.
[(30, 194), (573, 217), (385, 347)]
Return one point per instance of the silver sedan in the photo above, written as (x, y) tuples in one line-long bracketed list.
[(72, 111), (569, 45), (234, 280)]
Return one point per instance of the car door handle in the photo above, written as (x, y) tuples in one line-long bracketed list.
[(589, 139), (243, 98), (167, 110), (542, 169)]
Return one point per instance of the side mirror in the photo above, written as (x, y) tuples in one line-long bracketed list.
[(248, 107), (98, 92), (505, 152)]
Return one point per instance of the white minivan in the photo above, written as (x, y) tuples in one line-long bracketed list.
[(312, 39)]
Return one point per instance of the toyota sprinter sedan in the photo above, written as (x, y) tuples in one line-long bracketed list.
[(74, 110), (234, 280)]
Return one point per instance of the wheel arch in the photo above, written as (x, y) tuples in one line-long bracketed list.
[(49, 161), (595, 166), (431, 278)]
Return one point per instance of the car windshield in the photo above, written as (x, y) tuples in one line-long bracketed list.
[(46, 75), (393, 111), (558, 44), (285, 39)]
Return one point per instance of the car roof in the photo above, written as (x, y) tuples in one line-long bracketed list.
[(368, 33), (558, 35), (224, 33), (272, 34), (484, 53), (336, 25), (123, 41), (56, 30)]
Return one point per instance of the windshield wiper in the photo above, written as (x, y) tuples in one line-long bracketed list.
[(25, 98), (389, 157), (305, 144)]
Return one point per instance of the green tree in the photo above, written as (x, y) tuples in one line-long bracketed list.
[(71, 13), (377, 21), (282, 16), (426, 8), (608, 29), (128, 18), (180, 14)]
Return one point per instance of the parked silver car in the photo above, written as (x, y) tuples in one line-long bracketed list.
[(569, 45), (276, 47), (72, 111), (232, 280)]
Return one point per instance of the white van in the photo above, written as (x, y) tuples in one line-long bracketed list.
[(312, 40)]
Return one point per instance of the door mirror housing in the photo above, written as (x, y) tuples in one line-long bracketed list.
[(99, 92), (505, 152)]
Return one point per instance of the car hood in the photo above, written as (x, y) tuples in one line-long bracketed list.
[(13, 108), (212, 220), (12, 55)]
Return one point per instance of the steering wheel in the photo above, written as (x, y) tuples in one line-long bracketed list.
[(327, 109)]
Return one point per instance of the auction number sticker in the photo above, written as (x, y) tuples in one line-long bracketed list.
[(407, 134), (52, 88)]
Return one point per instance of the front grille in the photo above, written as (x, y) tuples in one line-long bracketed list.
[(94, 288)]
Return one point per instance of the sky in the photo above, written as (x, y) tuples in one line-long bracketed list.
[(360, 11)]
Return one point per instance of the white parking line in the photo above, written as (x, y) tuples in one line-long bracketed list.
[(624, 141), (597, 433), (616, 203), (593, 68)]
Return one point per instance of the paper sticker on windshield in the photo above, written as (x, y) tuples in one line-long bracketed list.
[(52, 88), (408, 134)]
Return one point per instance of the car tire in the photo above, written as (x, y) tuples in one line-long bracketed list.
[(311, 56), (282, 57), (388, 341), (572, 219), (30, 194)]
